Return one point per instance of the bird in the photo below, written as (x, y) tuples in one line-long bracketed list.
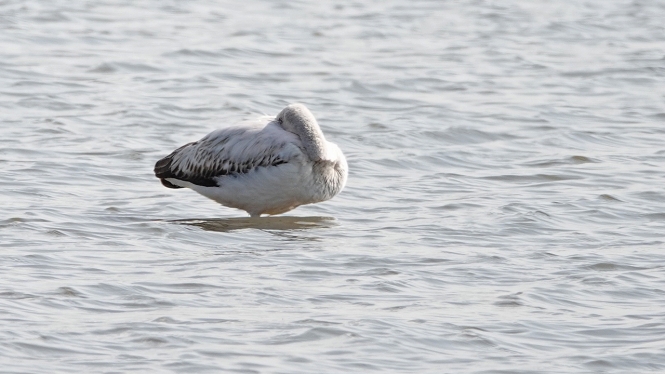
[(263, 169)]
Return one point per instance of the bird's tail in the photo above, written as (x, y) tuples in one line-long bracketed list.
[(163, 171)]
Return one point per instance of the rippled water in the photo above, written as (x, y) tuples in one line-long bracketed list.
[(505, 209)]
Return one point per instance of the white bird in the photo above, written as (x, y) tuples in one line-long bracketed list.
[(261, 170)]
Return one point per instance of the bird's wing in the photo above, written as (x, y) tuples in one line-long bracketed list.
[(229, 151)]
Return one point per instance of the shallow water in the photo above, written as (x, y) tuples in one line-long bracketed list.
[(505, 208)]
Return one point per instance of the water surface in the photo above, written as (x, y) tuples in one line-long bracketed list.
[(505, 208)]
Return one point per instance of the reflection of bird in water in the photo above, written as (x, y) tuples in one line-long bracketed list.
[(267, 169), (275, 224)]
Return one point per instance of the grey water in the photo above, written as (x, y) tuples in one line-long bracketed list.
[(505, 209)]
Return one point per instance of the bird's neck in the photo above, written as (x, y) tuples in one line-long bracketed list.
[(312, 139)]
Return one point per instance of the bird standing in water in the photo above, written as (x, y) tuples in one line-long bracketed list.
[(269, 169)]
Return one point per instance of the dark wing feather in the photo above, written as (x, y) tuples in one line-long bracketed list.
[(164, 169), (217, 155)]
